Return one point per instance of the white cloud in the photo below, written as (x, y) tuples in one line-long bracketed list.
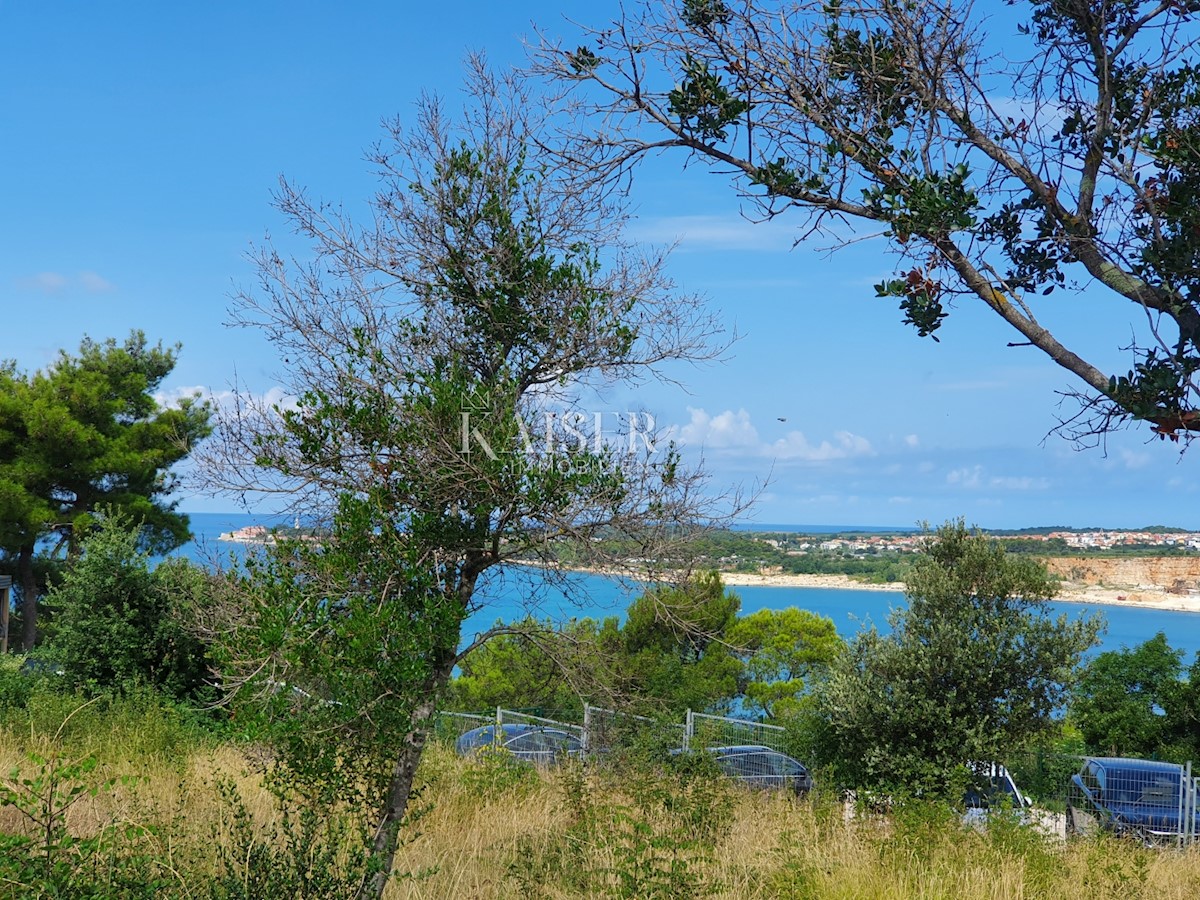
[(968, 477), (724, 430), (46, 282), (227, 400), (56, 282), (972, 478), (911, 440), (94, 283), (734, 431), (1020, 483), (715, 233), (845, 444), (1134, 460)]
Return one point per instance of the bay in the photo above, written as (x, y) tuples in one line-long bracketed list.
[(517, 591)]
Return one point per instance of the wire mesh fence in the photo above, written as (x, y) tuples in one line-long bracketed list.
[(702, 731), (1148, 799), (450, 726), (1153, 800), (609, 733)]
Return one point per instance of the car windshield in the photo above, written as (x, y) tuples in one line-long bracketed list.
[(991, 790), (1147, 788), (542, 741)]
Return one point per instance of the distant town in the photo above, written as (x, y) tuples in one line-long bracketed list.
[(1053, 541)]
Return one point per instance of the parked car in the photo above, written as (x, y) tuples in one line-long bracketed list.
[(992, 787), (1143, 798), (541, 745), (38, 665), (761, 767)]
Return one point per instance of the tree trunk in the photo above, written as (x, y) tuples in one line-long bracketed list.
[(388, 833), (29, 598)]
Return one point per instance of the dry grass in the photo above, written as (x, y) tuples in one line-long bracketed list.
[(485, 844), (496, 831)]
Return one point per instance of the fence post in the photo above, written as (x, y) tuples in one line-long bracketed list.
[(1188, 807), (689, 725), (497, 732), (587, 729)]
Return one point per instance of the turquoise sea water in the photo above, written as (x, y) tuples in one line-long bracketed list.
[(510, 594)]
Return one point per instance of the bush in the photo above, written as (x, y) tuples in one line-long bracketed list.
[(119, 623)]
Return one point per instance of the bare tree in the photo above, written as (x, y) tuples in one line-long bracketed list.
[(1001, 163), (440, 351)]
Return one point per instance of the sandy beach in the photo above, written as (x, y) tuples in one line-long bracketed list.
[(1145, 597), (1136, 596)]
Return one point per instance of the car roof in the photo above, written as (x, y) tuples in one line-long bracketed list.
[(743, 748), (514, 729), (1131, 764)]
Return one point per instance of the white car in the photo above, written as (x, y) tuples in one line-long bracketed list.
[(992, 788)]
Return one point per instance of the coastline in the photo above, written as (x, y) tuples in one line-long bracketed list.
[(1091, 595)]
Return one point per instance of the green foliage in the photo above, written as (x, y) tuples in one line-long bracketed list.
[(136, 727), (671, 654), (421, 360), (881, 116), (117, 862), (674, 653), (87, 434), (523, 670), (656, 847), (1135, 702), (702, 102), (784, 652), (972, 670), (302, 854), (120, 623)]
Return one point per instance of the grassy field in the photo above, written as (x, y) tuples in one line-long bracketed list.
[(191, 817)]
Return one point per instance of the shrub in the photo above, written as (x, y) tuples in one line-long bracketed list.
[(119, 622)]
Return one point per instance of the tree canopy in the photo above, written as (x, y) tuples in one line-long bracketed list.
[(972, 669), (438, 350), (1137, 702), (86, 433), (1005, 160), (785, 653)]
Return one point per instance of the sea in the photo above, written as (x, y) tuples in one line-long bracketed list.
[(514, 592)]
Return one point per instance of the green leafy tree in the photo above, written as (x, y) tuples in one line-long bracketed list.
[(440, 357), (1133, 702), (122, 623), (83, 434), (888, 116), (972, 670), (532, 665), (784, 653), (673, 653)]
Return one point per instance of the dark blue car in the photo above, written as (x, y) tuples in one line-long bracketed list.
[(757, 766), (538, 744), (1143, 798)]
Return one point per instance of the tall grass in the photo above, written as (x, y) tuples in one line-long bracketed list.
[(576, 834), (193, 817)]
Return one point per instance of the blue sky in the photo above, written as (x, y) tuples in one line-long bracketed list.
[(141, 142)]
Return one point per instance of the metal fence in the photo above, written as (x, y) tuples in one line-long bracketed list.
[(606, 730), (1155, 801), (702, 731), (1151, 800)]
